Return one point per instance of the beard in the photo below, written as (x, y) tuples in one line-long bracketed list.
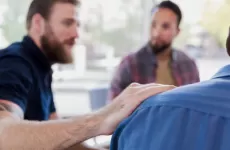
[(54, 49), (158, 49)]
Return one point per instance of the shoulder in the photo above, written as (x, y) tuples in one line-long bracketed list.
[(200, 97), (129, 57), (135, 56), (181, 56), (174, 97), (13, 61), (15, 49), (13, 55), (14, 69)]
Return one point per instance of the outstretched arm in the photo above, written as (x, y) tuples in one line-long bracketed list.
[(48, 135), (62, 134)]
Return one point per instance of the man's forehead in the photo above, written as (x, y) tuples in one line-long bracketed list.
[(168, 15), (162, 11)]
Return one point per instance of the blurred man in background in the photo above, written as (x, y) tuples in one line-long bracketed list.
[(157, 61)]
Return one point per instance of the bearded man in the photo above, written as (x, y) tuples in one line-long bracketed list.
[(157, 61)]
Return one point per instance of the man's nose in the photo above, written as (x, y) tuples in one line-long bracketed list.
[(75, 32)]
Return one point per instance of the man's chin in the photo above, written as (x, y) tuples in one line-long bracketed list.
[(68, 60)]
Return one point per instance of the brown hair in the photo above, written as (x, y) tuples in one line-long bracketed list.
[(171, 6), (43, 7)]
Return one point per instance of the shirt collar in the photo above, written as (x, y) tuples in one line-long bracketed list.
[(223, 72), (33, 50)]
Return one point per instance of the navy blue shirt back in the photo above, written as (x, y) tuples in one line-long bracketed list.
[(25, 79)]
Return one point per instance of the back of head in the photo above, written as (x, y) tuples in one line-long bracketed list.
[(44, 8), (172, 6), (228, 43)]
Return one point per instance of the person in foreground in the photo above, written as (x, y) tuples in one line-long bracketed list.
[(193, 117), (26, 99)]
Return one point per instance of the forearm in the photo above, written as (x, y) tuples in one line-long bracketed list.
[(58, 135)]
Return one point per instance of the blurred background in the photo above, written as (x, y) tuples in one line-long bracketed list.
[(111, 29)]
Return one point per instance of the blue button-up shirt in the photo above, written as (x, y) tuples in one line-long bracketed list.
[(192, 117)]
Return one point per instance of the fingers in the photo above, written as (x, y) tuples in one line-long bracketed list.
[(139, 92), (134, 84), (138, 84), (136, 87), (141, 95), (131, 101)]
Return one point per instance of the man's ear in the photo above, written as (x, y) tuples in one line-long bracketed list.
[(178, 31), (38, 24)]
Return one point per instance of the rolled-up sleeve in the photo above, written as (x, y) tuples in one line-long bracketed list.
[(15, 80)]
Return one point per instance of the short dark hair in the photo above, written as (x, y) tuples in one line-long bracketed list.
[(173, 7), (44, 7)]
